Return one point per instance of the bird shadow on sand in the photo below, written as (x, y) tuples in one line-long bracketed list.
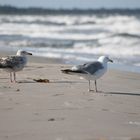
[(25, 81), (121, 93), (3, 78), (64, 81)]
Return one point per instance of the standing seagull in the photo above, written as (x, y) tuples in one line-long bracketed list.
[(91, 70), (15, 63)]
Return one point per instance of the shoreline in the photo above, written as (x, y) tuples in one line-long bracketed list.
[(38, 59)]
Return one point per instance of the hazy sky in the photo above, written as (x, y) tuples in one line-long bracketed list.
[(74, 3)]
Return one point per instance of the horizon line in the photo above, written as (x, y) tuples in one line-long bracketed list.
[(61, 8)]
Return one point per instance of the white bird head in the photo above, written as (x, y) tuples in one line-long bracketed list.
[(105, 59), (23, 53)]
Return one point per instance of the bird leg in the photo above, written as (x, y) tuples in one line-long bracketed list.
[(95, 86), (10, 77), (89, 89), (89, 86), (14, 77)]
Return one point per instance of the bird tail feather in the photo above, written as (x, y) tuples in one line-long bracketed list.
[(3, 66), (69, 71)]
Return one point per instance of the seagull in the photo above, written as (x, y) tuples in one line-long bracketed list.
[(90, 71), (15, 63)]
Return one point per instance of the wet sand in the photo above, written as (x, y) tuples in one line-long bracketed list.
[(63, 109)]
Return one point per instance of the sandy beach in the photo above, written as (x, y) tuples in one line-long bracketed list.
[(63, 109)]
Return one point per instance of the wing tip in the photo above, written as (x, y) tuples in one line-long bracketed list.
[(66, 71)]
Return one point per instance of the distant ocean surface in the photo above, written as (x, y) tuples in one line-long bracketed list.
[(74, 37)]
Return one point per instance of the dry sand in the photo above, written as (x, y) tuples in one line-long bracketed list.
[(64, 110)]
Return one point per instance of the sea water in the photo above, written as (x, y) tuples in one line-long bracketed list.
[(75, 38)]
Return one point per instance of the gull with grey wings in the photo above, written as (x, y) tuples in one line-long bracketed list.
[(90, 71), (15, 63)]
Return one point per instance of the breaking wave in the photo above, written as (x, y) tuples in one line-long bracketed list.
[(74, 37)]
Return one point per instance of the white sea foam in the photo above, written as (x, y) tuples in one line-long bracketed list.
[(74, 37)]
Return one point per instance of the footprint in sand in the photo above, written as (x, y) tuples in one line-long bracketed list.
[(105, 109), (56, 119)]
